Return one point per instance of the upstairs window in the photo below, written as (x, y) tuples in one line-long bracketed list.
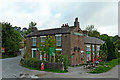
[(42, 39), (34, 41), (58, 40)]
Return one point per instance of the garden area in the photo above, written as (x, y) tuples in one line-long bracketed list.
[(60, 66), (105, 66), (52, 60)]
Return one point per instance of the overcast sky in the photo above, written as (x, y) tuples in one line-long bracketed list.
[(52, 14)]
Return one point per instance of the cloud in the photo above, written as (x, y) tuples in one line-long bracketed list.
[(52, 14)]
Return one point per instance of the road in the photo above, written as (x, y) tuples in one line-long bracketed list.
[(11, 67), (74, 72)]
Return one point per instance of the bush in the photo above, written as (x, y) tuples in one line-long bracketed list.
[(36, 63), (32, 62), (64, 59), (106, 66)]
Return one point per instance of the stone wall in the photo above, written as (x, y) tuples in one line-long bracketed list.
[(56, 66)]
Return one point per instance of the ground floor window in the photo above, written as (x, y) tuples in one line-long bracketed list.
[(59, 50), (88, 57), (82, 55), (33, 52)]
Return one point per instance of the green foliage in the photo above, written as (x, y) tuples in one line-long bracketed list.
[(104, 37), (32, 62), (66, 62), (32, 24), (106, 66), (92, 32), (64, 59), (103, 52), (111, 50), (35, 64), (10, 39), (49, 42), (110, 47)]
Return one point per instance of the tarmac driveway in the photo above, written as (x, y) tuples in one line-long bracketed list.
[(74, 72), (11, 67)]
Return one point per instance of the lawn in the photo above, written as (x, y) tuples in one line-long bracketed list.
[(106, 66), (47, 70)]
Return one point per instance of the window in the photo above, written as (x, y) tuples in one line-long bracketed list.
[(75, 48), (98, 49), (93, 48), (78, 49), (58, 40), (34, 41), (42, 38), (33, 52), (88, 48), (81, 56)]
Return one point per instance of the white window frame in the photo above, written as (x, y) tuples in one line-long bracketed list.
[(32, 40), (58, 49), (88, 45), (42, 37), (32, 51), (59, 40), (98, 46), (93, 48)]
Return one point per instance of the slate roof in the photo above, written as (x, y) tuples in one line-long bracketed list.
[(65, 30), (53, 31), (93, 40)]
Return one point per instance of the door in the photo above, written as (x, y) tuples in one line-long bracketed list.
[(34, 53)]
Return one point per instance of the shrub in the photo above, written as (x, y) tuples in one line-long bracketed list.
[(106, 66), (32, 62), (64, 59)]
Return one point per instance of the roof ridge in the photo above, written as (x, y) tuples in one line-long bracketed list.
[(55, 28)]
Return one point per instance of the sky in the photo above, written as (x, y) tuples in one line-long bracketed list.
[(52, 14)]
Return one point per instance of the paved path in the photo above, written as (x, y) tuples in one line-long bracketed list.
[(74, 72), (11, 67)]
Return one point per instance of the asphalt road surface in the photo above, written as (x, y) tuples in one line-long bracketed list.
[(11, 67)]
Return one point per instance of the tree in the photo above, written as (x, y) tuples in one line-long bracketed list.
[(103, 52), (92, 31), (44, 46), (104, 37), (111, 50), (32, 24), (10, 39)]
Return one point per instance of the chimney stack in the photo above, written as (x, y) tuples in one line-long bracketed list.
[(65, 25), (76, 23)]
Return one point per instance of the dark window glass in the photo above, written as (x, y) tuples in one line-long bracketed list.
[(75, 48)]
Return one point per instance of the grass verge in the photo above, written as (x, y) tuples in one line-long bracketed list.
[(106, 66)]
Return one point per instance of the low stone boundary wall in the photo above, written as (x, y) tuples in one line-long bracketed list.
[(56, 66)]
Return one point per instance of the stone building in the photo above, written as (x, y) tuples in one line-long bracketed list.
[(71, 40)]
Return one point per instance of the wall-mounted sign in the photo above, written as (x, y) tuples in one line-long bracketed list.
[(78, 34), (52, 51), (3, 50), (88, 52)]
